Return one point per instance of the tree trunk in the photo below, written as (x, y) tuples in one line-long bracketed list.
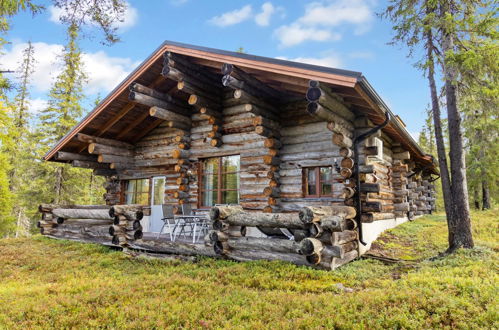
[(460, 222), (476, 198), (439, 138), (485, 195)]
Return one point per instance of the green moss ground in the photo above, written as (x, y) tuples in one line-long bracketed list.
[(47, 283)]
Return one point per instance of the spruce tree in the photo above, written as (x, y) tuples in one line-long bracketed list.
[(64, 183)]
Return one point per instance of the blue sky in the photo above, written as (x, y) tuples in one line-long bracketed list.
[(340, 33)]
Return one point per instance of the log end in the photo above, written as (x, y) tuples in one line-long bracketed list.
[(214, 213), (193, 99), (91, 148), (306, 215), (313, 94)]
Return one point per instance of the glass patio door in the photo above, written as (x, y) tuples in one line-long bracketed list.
[(157, 199)]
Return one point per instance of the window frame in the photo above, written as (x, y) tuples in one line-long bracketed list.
[(318, 181), (125, 189), (219, 189)]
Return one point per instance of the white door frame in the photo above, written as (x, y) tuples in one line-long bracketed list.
[(155, 222)]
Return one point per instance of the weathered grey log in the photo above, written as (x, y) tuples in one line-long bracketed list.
[(50, 207), (222, 212), (247, 82), (260, 219), (263, 244), (178, 247), (343, 237), (329, 101), (104, 158), (96, 148), (136, 87), (110, 142), (82, 213), (169, 115), (342, 124), (314, 214), (342, 140), (310, 246), (336, 223), (154, 102), (87, 164), (64, 155), (123, 209), (338, 251), (201, 102)]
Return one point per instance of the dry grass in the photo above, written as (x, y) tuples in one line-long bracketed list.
[(58, 284)]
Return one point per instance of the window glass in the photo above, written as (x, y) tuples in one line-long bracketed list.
[(311, 186), (220, 180), (137, 192), (230, 197), (318, 181), (159, 191), (326, 180), (230, 181)]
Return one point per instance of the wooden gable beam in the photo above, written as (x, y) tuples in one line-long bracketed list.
[(247, 82), (126, 109)]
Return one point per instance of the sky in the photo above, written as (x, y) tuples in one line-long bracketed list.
[(346, 34)]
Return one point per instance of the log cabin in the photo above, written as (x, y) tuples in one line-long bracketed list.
[(284, 160)]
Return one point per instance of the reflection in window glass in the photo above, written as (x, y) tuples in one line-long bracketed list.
[(326, 180), (318, 181), (159, 191), (137, 192), (220, 180), (311, 187)]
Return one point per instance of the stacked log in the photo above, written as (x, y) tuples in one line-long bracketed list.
[(126, 225), (332, 239), (202, 91), (229, 231), (401, 202), (324, 237), (250, 104), (88, 223)]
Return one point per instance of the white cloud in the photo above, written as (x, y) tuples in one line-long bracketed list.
[(320, 17), (334, 13), (37, 105), (263, 18), (332, 61), (294, 34), (232, 17), (130, 16), (104, 71)]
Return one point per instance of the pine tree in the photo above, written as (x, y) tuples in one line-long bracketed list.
[(446, 30), (7, 222), (64, 109), (20, 152)]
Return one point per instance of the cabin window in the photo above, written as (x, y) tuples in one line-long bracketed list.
[(220, 180), (137, 191), (318, 181)]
